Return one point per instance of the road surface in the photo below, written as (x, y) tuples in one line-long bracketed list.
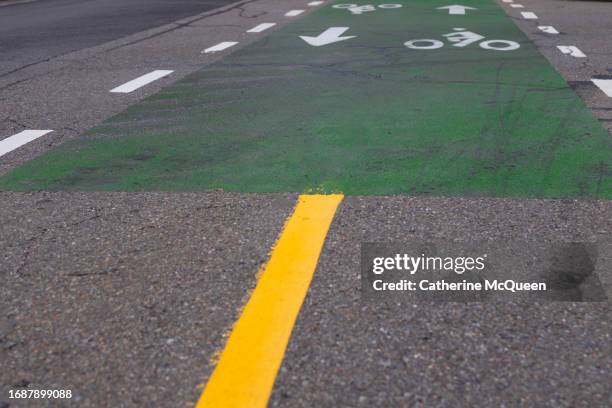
[(45, 29), (185, 207)]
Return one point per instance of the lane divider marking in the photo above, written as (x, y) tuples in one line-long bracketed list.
[(141, 81), (17, 140), (604, 84), (261, 27), (571, 50), (528, 15), (293, 13), (507, 1), (315, 3), (517, 6), (548, 29), (247, 368), (220, 47)]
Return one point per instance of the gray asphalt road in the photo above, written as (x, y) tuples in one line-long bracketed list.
[(70, 93), (43, 29), (352, 352), (125, 298), (584, 24)]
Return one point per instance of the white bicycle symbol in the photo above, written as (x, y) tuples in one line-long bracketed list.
[(357, 9), (462, 38)]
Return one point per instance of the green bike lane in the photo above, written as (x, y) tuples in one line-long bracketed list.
[(365, 114)]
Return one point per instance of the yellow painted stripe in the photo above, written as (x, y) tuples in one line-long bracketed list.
[(246, 371)]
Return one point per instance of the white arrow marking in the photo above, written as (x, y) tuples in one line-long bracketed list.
[(571, 50), (456, 9), (548, 29), (604, 84), (13, 142), (329, 36)]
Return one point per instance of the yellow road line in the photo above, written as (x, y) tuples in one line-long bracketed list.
[(246, 371)]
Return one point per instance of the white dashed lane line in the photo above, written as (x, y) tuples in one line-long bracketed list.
[(528, 15), (571, 50), (604, 84), (548, 29), (261, 27), (13, 142), (220, 47), (293, 13), (141, 81)]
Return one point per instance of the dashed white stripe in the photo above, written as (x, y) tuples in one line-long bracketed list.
[(294, 13), (517, 5), (261, 27), (571, 50), (529, 15), (315, 3), (605, 85), (220, 47), (548, 29), (13, 142), (141, 81), (507, 1)]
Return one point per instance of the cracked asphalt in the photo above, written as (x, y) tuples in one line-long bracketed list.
[(127, 298)]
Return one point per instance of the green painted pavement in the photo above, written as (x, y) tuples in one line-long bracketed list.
[(362, 116)]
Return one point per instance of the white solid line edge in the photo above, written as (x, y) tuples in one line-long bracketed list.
[(141, 81), (19, 139)]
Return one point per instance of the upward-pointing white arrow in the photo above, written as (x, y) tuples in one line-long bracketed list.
[(456, 9), (329, 36)]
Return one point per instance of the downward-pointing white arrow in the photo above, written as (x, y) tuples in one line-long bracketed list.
[(456, 9), (329, 36)]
